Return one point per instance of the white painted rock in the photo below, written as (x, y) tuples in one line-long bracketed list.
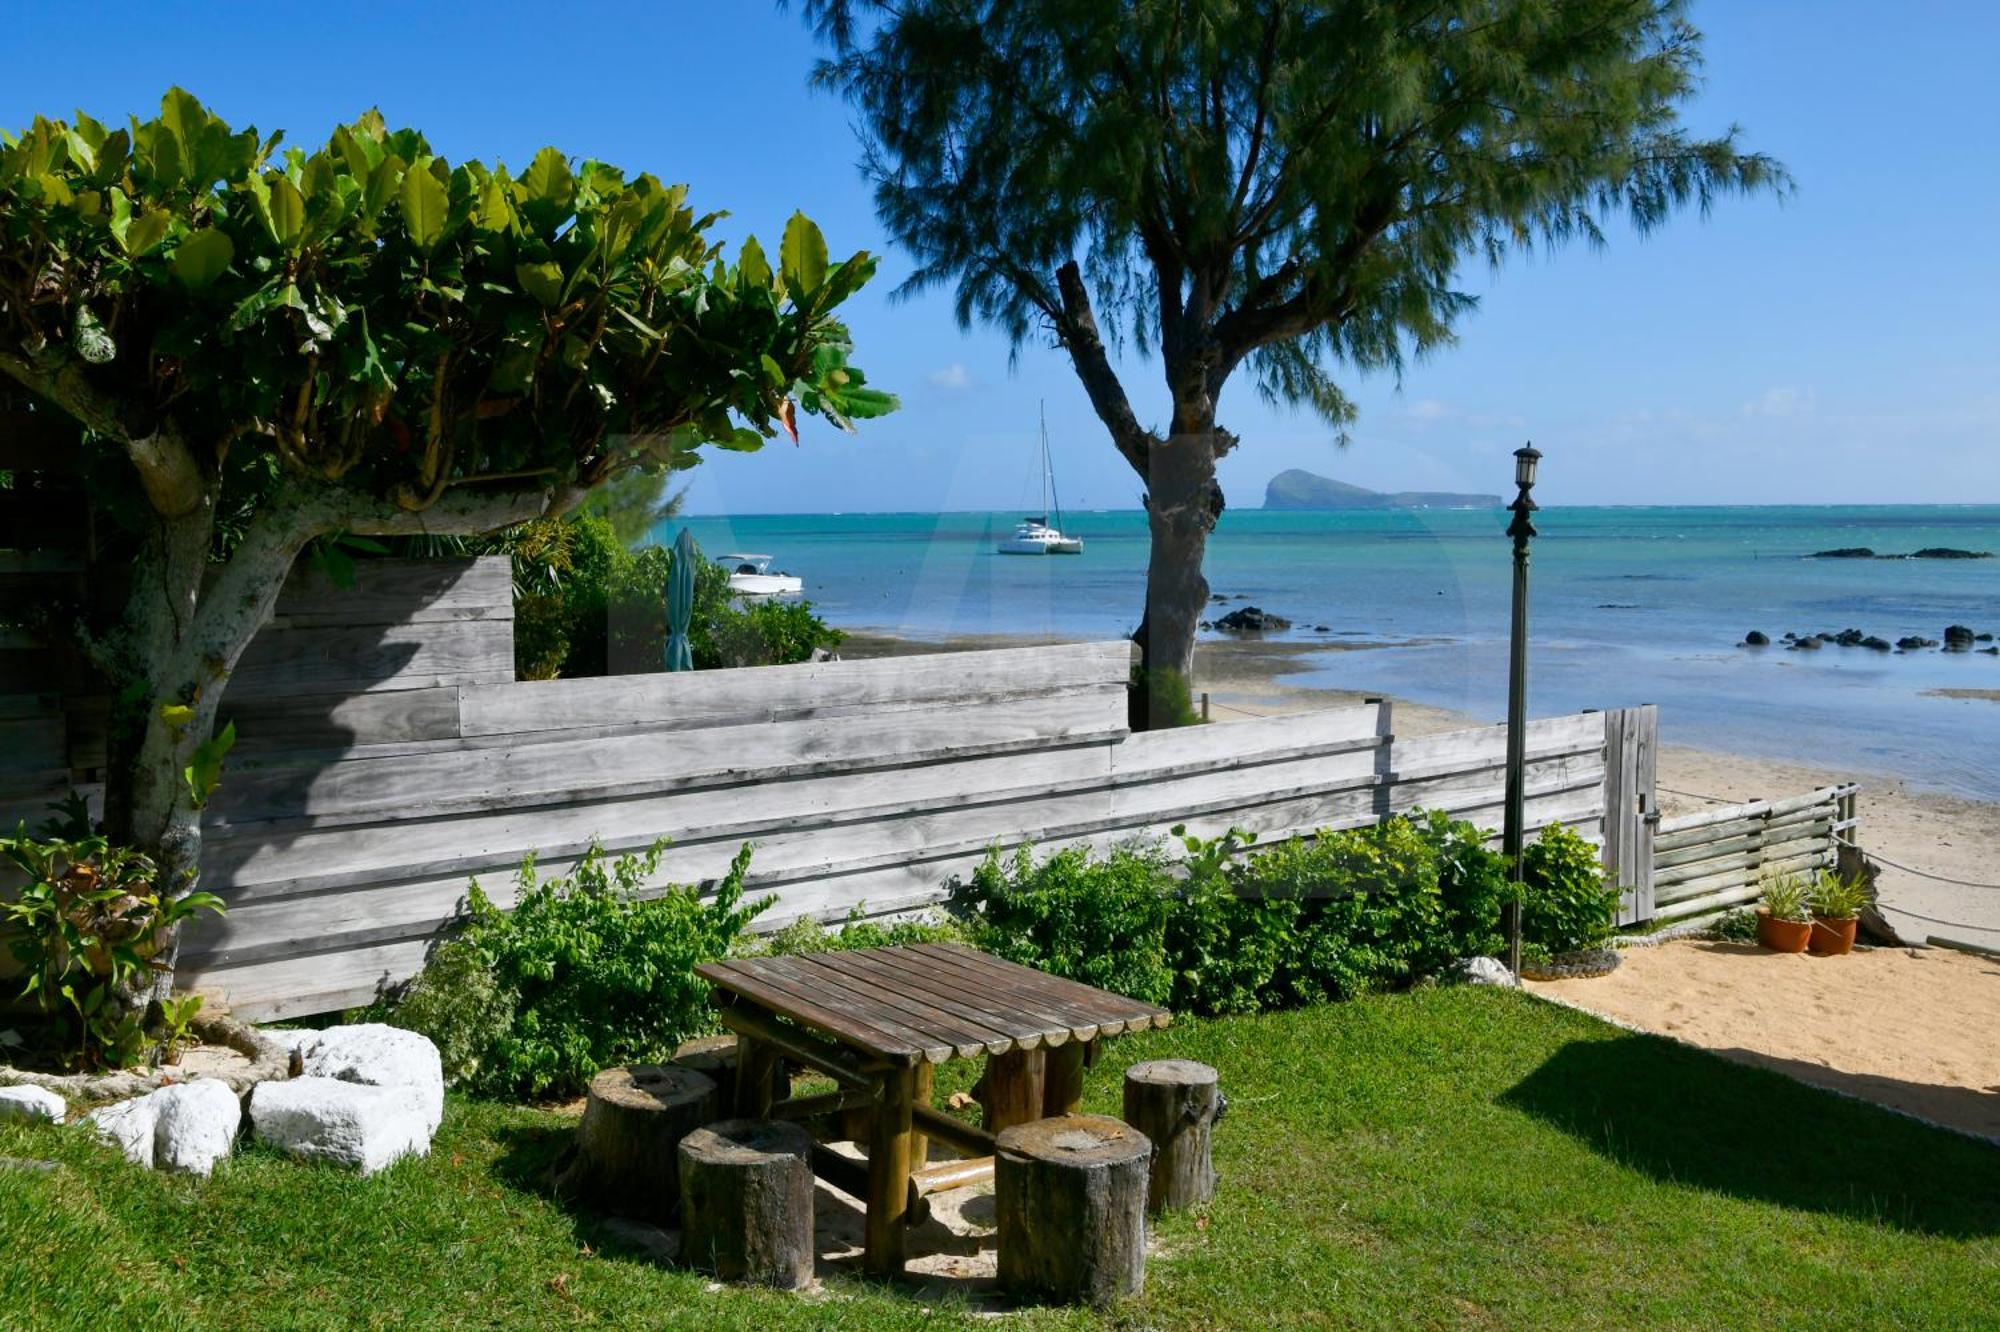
[(195, 1125), (32, 1103), (1485, 971), (188, 1126), (347, 1123), (128, 1126), (377, 1055)]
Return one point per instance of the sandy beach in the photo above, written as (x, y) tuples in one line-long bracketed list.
[(1919, 838)]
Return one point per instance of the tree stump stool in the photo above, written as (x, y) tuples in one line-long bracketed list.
[(747, 1202), (1175, 1103), (713, 1057), (626, 1157), (1071, 1195)]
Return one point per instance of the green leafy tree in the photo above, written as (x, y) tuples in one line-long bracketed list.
[(1274, 187), (243, 351)]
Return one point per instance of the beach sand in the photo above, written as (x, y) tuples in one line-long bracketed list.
[(1910, 1029)]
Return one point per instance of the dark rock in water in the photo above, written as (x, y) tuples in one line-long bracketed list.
[(1982, 638), (1756, 638), (1845, 553), (1617, 605), (1949, 553), (1322, 629), (1208, 624), (1850, 638), (1877, 644), (1251, 620), (1991, 652), (1958, 636), (1807, 645), (1912, 643), (1218, 597)]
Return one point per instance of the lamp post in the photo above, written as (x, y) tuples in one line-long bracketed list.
[(1522, 530)]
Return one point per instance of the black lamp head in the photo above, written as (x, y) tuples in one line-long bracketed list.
[(1525, 460)]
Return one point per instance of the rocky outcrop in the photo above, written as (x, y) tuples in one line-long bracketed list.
[(1252, 620), (374, 1054), (1845, 553), (1958, 637), (1756, 638), (1300, 489)]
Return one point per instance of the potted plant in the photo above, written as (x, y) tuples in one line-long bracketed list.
[(1836, 902), (1784, 921)]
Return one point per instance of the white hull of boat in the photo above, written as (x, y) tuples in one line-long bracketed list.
[(766, 585)]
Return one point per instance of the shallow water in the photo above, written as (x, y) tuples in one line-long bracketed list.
[(1631, 605)]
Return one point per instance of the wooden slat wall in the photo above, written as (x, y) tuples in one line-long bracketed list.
[(386, 757), (1719, 857)]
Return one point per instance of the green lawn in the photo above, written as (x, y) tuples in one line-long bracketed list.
[(1446, 1158)]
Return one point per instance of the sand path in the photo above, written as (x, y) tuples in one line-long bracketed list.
[(1909, 1029)]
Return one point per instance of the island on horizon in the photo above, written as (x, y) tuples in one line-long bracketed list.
[(1300, 489)]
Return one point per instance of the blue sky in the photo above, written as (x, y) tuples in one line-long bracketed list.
[(1840, 347)]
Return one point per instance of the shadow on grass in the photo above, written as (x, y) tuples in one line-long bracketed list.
[(1687, 1117), (950, 1266)]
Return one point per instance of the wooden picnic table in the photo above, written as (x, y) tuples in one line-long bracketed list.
[(878, 1021)]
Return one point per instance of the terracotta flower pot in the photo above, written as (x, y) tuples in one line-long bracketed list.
[(1782, 936), (1831, 938)]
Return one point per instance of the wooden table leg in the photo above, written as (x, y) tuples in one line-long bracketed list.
[(1062, 1079), (1010, 1090), (920, 1094), (756, 1062), (889, 1175)]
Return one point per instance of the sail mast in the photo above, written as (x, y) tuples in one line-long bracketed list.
[(1049, 470)]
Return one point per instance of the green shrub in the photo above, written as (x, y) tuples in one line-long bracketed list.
[(1223, 947), (1472, 878), (1371, 913), (581, 974), (1159, 699), (586, 605), (1836, 896), (87, 925), (1568, 905), (1099, 921), (809, 936)]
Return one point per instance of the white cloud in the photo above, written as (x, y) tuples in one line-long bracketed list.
[(954, 376), (1781, 401)]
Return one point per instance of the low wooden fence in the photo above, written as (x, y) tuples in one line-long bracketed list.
[(386, 756), (1721, 857)]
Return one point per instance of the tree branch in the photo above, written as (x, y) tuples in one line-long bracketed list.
[(1078, 325), (166, 466)]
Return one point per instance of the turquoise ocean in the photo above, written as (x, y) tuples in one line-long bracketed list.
[(1630, 605)]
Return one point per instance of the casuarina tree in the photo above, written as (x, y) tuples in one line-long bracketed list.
[(241, 350), (1270, 188)]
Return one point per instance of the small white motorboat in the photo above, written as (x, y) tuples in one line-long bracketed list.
[(1037, 535), (751, 576)]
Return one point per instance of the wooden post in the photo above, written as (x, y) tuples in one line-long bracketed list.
[(1204, 705), (714, 1057), (756, 1062), (923, 1080), (1071, 1197), (1175, 1103), (627, 1144), (1062, 1079), (1010, 1090), (889, 1175), (747, 1202)]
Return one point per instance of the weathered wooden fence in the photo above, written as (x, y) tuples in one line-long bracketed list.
[(387, 756), (1720, 857)]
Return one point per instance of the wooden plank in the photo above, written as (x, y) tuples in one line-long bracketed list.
[(1754, 825), (806, 690), (399, 591), (1801, 863), (360, 658), (334, 723), (770, 983), (1742, 841), (456, 781), (940, 1035), (1754, 808), (887, 977)]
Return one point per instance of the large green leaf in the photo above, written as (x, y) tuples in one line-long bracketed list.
[(752, 266), (802, 257), (426, 203), (542, 281), (202, 257)]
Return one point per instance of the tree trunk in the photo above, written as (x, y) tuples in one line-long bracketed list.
[(1071, 1200), (1175, 1103), (1183, 503)]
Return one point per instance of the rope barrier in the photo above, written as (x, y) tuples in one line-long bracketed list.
[(1912, 869)]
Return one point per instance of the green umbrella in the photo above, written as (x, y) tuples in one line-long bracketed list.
[(680, 601)]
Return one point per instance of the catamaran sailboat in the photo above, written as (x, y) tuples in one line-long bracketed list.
[(1037, 535)]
